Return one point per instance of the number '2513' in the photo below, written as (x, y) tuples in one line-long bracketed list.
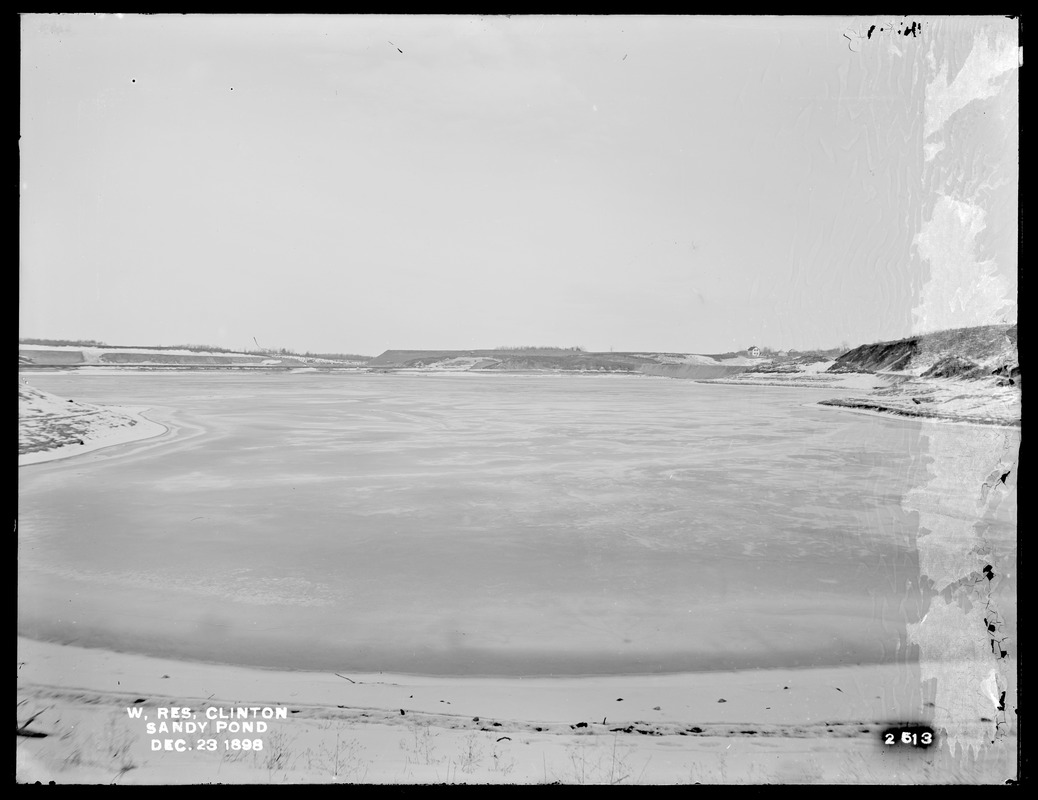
[(914, 738)]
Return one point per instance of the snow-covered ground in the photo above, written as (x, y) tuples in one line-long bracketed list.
[(462, 363), (686, 358), (805, 376), (903, 393), (948, 399), (395, 729), (51, 427)]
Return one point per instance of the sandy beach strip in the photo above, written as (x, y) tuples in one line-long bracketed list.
[(755, 726)]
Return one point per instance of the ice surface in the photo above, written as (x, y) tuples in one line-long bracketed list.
[(515, 524)]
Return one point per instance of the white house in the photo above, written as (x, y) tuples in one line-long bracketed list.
[(753, 351)]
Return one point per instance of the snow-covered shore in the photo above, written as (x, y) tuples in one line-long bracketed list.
[(985, 401), (79, 715), (50, 427)]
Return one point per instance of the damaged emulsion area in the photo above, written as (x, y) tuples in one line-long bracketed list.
[(995, 625), (966, 661), (915, 29)]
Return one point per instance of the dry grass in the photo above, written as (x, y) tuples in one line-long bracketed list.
[(980, 344), (419, 745)]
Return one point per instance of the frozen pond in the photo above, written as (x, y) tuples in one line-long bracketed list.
[(466, 524)]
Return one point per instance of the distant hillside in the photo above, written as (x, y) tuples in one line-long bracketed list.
[(963, 352), (674, 365), (73, 355), (518, 359), (404, 358), (699, 372)]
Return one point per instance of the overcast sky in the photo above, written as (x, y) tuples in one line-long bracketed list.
[(359, 183)]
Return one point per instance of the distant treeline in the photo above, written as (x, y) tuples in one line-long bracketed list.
[(284, 351), (534, 349), (64, 342), (337, 356), (831, 352), (194, 348), (817, 353)]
